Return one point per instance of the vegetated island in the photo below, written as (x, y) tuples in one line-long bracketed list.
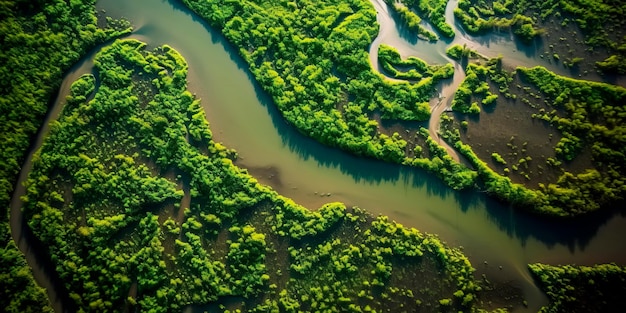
[(141, 210), (413, 68), (256, 38), (411, 13), (312, 58)]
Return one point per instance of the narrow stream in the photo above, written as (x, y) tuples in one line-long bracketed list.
[(441, 103), (490, 45), (35, 252), (244, 118)]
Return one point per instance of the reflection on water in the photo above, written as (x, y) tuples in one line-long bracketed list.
[(491, 44), (514, 223), (243, 117)]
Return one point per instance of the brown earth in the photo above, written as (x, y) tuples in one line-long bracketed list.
[(525, 143)]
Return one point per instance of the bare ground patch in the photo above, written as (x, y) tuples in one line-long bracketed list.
[(525, 143)]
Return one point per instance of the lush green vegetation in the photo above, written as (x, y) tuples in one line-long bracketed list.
[(475, 85), (314, 64), (599, 288), (477, 16), (587, 114), (498, 158), (412, 68), (107, 197), (615, 63), (40, 40), (412, 22), (140, 209), (459, 52), (437, 160), (19, 292), (318, 73), (312, 58), (434, 11)]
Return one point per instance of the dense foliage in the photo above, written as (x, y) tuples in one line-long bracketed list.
[(141, 209), (459, 52), (413, 22), (412, 68), (314, 65), (478, 17), (599, 288), (434, 11), (19, 292), (475, 87), (39, 41), (321, 80), (437, 160), (312, 58), (587, 114)]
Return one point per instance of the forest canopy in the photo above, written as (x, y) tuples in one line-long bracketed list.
[(141, 209), (107, 196), (40, 40)]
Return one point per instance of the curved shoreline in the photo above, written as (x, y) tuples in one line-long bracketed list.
[(446, 89), (532, 244), (27, 242), (21, 233), (441, 104)]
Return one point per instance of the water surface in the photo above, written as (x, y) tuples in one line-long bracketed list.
[(244, 118)]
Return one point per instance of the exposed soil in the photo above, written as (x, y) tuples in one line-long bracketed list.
[(567, 41), (269, 175), (496, 294), (525, 143), (406, 129)]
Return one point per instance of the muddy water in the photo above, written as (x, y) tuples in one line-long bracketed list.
[(244, 118), (490, 45), (443, 102), (515, 54), (34, 251), (390, 33)]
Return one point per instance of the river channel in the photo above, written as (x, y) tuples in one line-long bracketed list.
[(243, 117)]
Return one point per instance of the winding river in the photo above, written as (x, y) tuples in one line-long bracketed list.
[(244, 118)]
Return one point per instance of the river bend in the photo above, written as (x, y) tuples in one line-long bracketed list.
[(491, 234)]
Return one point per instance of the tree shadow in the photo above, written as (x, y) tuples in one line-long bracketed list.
[(515, 223), (572, 233)]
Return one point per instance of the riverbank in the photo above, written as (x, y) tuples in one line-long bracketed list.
[(406, 195), (488, 231), (35, 53), (97, 206)]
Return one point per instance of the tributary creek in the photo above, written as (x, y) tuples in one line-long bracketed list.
[(243, 117)]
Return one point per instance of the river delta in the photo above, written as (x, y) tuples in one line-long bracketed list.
[(498, 239)]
